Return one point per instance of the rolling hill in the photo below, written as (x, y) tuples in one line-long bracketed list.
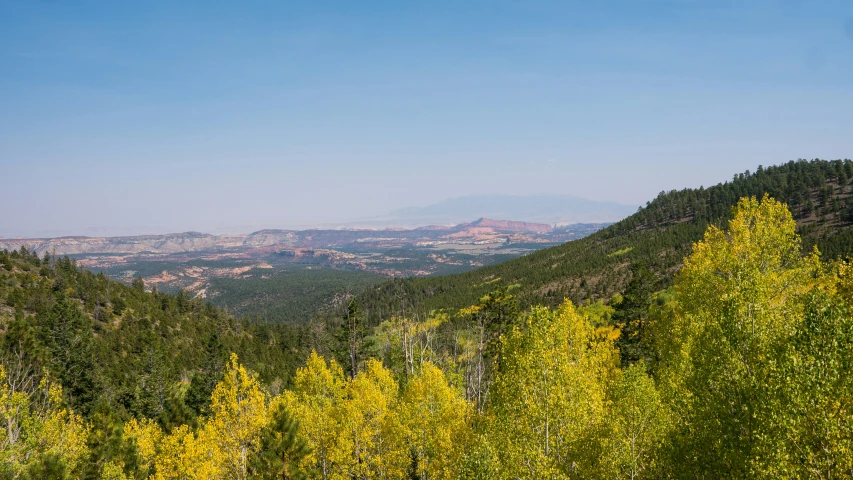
[(659, 235)]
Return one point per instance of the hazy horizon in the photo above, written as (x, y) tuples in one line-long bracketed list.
[(196, 116), (388, 219)]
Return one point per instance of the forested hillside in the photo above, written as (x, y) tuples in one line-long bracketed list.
[(290, 294), (119, 351), (658, 236), (742, 368)]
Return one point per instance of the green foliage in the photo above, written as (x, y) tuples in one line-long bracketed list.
[(47, 467), (289, 295), (480, 460), (497, 311), (631, 312), (176, 411), (107, 443), (281, 451), (351, 334), (808, 422)]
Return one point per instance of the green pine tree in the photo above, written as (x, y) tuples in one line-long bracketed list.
[(280, 449)]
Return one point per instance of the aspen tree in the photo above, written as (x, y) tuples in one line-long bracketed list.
[(548, 397), (436, 418)]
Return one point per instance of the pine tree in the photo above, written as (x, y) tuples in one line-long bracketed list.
[(67, 335), (631, 315), (176, 412), (280, 449)]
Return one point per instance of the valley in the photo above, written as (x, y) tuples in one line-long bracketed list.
[(217, 267)]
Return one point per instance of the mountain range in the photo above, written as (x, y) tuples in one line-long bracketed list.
[(544, 208), (481, 230)]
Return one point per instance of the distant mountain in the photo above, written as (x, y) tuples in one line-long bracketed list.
[(550, 209), (509, 226)]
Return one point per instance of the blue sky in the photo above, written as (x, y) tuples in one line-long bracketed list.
[(171, 116)]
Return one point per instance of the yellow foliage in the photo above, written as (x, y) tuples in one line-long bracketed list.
[(550, 394), (598, 313), (621, 251), (178, 455), (147, 436), (183, 455), (361, 429), (608, 333), (469, 311), (319, 390), (727, 339), (749, 271), (410, 341), (221, 446), (61, 432), (845, 281), (239, 412), (113, 470), (436, 418), (30, 429), (371, 419)]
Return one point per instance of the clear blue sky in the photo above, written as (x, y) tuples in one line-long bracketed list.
[(173, 116)]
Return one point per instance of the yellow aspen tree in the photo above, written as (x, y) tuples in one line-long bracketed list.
[(636, 426), (238, 413), (739, 299), (389, 340), (480, 460), (409, 341), (471, 356), (318, 393), (36, 425), (60, 432), (147, 437), (844, 282), (186, 456), (221, 447), (371, 419), (436, 417), (14, 414), (548, 397), (178, 455), (807, 428)]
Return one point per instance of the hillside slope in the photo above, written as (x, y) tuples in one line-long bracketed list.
[(120, 347), (658, 235)]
